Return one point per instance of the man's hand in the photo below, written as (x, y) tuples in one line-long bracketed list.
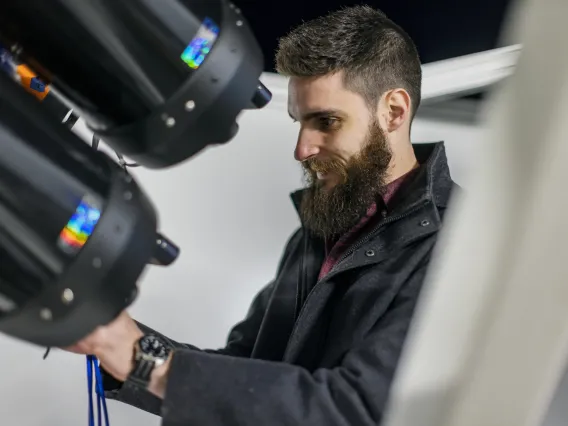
[(113, 345)]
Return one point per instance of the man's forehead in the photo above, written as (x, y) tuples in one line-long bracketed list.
[(315, 89), (306, 95)]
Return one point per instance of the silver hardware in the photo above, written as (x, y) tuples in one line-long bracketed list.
[(67, 295), (190, 105), (45, 314)]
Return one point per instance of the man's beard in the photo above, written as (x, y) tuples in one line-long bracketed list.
[(329, 212)]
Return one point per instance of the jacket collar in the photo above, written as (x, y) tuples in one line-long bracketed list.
[(432, 181)]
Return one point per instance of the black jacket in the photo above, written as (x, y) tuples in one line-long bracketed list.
[(319, 354)]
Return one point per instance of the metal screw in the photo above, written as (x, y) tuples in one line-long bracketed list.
[(159, 241), (45, 314), (128, 195), (239, 23), (190, 105), (68, 295), (97, 262)]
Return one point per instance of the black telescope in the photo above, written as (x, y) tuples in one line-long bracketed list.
[(158, 81)]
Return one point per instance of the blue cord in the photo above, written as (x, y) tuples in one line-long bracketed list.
[(93, 363), (101, 392), (90, 389)]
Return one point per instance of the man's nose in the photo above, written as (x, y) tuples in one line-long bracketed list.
[(306, 147)]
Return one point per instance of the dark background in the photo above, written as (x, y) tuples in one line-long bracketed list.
[(441, 29)]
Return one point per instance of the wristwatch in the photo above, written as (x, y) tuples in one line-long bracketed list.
[(150, 352)]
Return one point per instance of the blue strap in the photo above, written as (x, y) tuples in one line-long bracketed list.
[(93, 363), (90, 389), (101, 392)]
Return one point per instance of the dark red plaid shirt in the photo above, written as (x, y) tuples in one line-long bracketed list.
[(336, 248)]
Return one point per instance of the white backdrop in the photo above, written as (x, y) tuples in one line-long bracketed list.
[(230, 212)]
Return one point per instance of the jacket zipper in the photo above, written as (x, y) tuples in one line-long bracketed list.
[(348, 253)]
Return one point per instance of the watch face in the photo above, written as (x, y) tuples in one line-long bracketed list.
[(153, 346)]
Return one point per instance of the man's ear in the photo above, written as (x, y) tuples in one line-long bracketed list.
[(396, 107)]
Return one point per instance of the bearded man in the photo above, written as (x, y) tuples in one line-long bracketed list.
[(321, 342)]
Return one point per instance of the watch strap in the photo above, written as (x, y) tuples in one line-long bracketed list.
[(141, 373), (144, 364)]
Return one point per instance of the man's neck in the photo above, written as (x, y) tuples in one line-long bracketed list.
[(403, 161)]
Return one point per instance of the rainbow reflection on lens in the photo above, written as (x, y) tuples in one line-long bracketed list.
[(80, 227), (201, 45)]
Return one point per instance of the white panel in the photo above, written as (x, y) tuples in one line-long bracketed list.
[(490, 339)]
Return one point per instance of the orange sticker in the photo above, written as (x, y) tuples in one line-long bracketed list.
[(31, 82)]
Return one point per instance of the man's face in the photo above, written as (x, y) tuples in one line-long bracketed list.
[(343, 150)]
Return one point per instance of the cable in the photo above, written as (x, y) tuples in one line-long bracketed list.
[(95, 141), (123, 162), (97, 380)]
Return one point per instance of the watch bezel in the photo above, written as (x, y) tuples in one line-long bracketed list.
[(146, 356)]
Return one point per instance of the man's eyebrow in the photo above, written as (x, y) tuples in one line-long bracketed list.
[(317, 114)]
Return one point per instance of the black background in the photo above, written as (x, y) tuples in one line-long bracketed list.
[(441, 29)]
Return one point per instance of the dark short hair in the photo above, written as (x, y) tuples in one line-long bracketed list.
[(374, 53)]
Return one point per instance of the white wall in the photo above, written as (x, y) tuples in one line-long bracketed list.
[(229, 211)]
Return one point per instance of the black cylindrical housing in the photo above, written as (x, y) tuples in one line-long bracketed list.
[(262, 96), (165, 252), (158, 80), (76, 231)]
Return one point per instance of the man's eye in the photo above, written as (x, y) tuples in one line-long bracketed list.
[(327, 123)]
